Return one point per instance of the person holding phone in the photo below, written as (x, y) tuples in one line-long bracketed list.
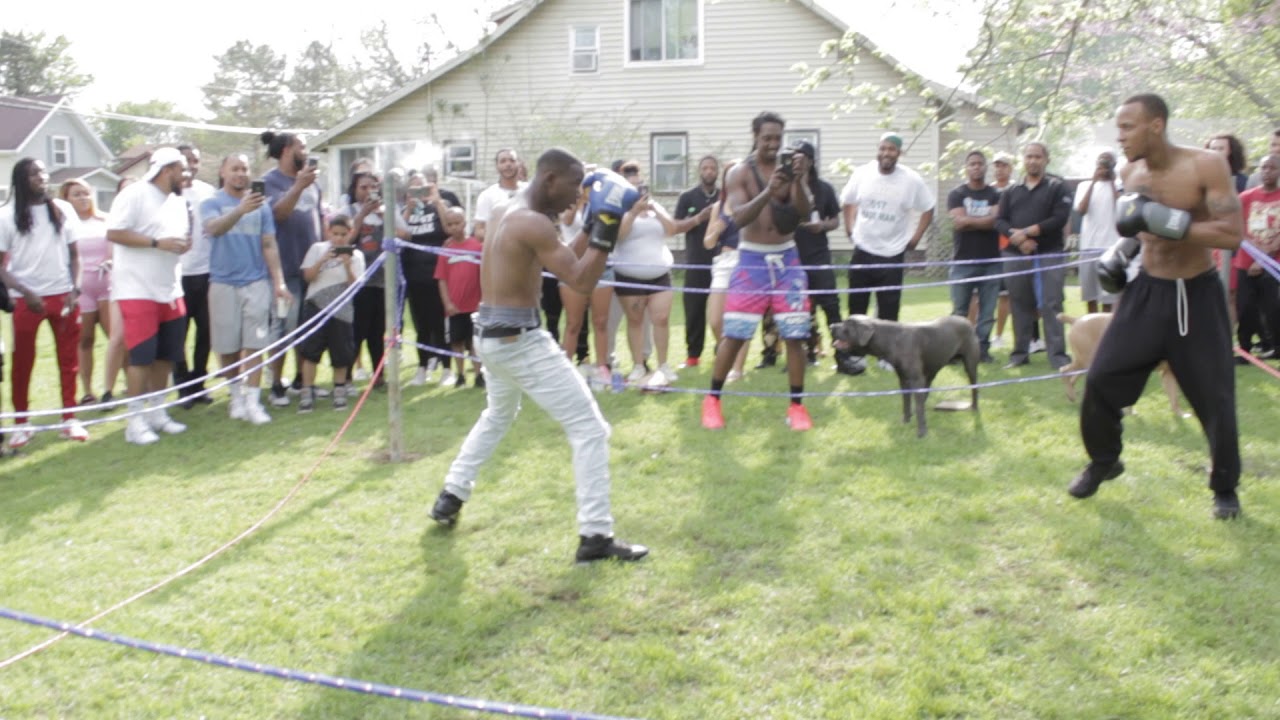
[(424, 208), (245, 277), (295, 201), (329, 269)]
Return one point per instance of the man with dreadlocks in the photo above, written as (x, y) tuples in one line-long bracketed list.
[(39, 251)]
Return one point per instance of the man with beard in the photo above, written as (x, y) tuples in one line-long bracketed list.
[(695, 203), (150, 224), (295, 205), (245, 276), (195, 285), (1181, 205), (972, 207), (1032, 215), (877, 203), (521, 358)]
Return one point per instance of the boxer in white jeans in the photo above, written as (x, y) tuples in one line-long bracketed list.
[(519, 357)]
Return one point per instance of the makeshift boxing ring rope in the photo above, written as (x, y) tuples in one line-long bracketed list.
[(329, 681)]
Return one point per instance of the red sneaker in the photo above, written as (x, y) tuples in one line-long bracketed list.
[(712, 418), (798, 418), (691, 362)]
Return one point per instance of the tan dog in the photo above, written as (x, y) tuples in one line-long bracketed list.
[(1085, 334)]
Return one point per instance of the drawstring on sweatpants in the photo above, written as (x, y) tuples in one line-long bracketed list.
[(1182, 307)]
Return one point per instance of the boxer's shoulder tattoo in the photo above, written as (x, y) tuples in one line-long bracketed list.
[(1224, 205)]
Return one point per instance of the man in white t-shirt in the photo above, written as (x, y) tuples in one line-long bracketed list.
[(508, 165), (195, 285), (150, 225), (41, 268), (1096, 203), (877, 204)]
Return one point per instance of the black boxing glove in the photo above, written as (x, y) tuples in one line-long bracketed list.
[(1138, 213), (1113, 265)]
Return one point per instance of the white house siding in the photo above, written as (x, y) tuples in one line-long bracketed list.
[(520, 91)]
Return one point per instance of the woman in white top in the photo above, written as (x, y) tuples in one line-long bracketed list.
[(90, 232), (642, 264)]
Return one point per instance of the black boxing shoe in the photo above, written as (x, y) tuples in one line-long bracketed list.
[(446, 509), (1087, 482), (602, 547), (1226, 506)]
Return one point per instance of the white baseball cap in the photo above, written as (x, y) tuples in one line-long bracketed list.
[(162, 158)]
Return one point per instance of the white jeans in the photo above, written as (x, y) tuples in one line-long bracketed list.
[(534, 363)]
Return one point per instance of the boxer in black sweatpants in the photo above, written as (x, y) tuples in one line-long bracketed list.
[(1144, 331)]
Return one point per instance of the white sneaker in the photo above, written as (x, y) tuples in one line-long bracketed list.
[(733, 376), (448, 379), (320, 392), (419, 378), (158, 419), (236, 410), (360, 375), (637, 374), (138, 432), (75, 431), (255, 413), (1036, 346), (884, 365), (668, 374), (998, 342), (19, 438)]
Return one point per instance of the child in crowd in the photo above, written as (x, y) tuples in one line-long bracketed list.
[(458, 271), (329, 268)]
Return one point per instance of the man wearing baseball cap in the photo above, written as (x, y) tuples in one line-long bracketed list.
[(150, 224)]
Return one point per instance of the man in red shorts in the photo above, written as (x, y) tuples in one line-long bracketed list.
[(151, 226)]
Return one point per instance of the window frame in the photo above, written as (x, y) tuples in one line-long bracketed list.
[(655, 162), (575, 51), (664, 62), (447, 160), (53, 151)]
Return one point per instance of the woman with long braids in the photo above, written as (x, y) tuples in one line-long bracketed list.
[(40, 266)]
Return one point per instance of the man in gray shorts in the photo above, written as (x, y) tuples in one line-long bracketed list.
[(244, 274)]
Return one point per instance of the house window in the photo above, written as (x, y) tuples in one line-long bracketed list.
[(460, 158), (791, 137), (663, 30), (584, 44), (60, 156), (670, 162)]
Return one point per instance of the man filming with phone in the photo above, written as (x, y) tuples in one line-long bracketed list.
[(244, 277)]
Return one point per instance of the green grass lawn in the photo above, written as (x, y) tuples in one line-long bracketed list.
[(849, 572)]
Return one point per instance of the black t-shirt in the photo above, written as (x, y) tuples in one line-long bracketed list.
[(976, 244), (691, 203), (814, 248), (425, 229)]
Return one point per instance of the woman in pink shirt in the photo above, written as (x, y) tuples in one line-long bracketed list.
[(90, 233)]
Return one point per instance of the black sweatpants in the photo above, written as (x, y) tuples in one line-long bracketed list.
[(1257, 307), (370, 324), (552, 305), (695, 309), (828, 301), (1145, 331), (195, 289), (427, 311), (888, 302)]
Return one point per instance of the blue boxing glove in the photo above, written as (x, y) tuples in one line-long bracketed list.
[(610, 196)]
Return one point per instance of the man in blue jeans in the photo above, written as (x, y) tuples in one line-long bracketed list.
[(972, 207)]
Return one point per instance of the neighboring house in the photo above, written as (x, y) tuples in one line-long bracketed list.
[(134, 162), (662, 81), (46, 128)]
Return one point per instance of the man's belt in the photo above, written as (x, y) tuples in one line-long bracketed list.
[(500, 332)]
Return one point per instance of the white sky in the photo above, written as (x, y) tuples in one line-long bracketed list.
[(121, 46)]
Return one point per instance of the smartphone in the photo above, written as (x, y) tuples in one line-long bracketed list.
[(258, 186), (418, 193), (643, 189), (375, 197), (312, 162), (344, 249)]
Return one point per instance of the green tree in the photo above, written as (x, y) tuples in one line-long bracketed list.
[(31, 65), (120, 134), (321, 89), (248, 87)]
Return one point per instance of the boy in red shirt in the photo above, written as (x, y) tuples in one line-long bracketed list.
[(458, 270), (1256, 291)]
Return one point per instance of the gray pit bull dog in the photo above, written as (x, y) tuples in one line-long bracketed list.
[(917, 351)]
